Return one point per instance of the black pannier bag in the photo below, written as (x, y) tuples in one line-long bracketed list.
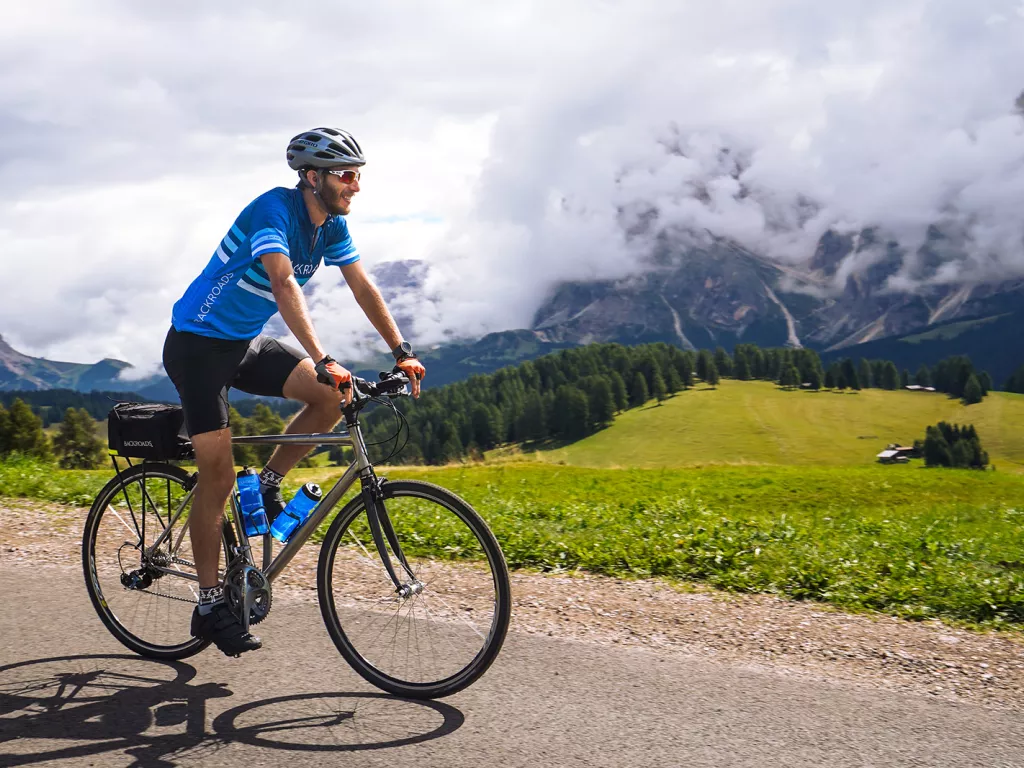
[(151, 431)]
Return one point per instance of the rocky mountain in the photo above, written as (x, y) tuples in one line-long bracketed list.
[(724, 294)]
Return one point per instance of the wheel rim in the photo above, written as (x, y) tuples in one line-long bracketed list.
[(434, 635), (158, 614)]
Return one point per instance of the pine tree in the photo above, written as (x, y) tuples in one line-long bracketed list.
[(961, 454), (5, 431), (936, 450), (26, 434), (638, 396), (972, 391), (815, 379), (77, 442), (904, 379), (712, 377), (486, 423), (244, 455), (742, 369), (830, 378), (602, 402), (850, 374), (619, 391), (864, 374), (660, 391), (531, 424), (265, 421), (673, 382), (723, 362), (986, 383), (923, 377), (573, 413), (1013, 384), (890, 376), (703, 360)]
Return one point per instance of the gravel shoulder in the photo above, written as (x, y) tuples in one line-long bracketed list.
[(787, 637)]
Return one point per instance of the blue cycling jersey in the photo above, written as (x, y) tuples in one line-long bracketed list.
[(232, 299)]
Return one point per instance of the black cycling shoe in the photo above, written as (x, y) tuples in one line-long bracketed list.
[(223, 628), (273, 503)]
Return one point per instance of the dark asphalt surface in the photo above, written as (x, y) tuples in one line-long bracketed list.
[(72, 696)]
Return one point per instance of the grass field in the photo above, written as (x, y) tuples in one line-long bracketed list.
[(757, 423), (903, 540)]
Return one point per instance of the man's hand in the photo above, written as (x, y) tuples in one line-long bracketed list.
[(329, 371), (414, 369)]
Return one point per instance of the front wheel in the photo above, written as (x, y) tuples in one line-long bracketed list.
[(446, 628)]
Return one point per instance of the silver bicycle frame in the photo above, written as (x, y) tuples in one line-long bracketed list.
[(360, 466)]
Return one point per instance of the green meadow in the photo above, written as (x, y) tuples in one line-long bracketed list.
[(753, 422)]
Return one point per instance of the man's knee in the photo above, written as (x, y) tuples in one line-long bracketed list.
[(215, 461)]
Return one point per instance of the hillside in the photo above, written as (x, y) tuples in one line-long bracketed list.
[(758, 423)]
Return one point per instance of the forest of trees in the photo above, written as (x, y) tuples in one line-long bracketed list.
[(575, 392), (1016, 382), (50, 405), (559, 397)]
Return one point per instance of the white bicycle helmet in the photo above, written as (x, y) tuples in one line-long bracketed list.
[(324, 148)]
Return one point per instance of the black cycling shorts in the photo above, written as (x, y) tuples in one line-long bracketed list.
[(203, 369)]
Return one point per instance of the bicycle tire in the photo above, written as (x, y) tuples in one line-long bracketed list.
[(366, 611), (121, 485)]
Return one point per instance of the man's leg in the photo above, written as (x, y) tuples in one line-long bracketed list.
[(321, 412), (216, 480), (213, 619)]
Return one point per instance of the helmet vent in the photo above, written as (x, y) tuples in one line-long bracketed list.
[(296, 148), (325, 155), (330, 131), (336, 148), (312, 137)]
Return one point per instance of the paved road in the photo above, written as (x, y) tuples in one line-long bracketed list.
[(69, 695)]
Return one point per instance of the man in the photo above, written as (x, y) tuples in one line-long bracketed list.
[(272, 250)]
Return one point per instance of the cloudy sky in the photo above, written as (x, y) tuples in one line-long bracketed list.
[(509, 146)]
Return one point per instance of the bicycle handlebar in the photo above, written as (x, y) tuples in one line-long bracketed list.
[(391, 384)]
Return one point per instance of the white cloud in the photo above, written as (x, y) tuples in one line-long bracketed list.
[(510, 146)]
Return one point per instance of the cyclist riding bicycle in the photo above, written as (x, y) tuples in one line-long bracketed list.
[(215, 342)]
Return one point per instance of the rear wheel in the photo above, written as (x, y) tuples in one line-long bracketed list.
[(448, 627), (144, 594)]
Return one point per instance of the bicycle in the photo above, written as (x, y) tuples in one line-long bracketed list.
[(412, 585)]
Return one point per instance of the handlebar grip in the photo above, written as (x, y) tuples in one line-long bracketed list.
[(330, 382)]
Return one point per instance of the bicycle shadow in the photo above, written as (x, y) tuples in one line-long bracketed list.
[(154, 711)]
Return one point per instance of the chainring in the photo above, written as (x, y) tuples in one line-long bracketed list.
[(234, 591)]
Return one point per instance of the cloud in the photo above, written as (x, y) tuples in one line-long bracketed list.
[(510, 146)]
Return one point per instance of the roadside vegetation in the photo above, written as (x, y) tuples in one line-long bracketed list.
[(908, 542)]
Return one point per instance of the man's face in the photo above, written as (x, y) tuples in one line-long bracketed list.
[(335, 192)]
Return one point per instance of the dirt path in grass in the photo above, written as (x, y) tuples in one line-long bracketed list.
[(790, 638)]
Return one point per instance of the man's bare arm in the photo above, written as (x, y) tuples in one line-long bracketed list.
[(292, 304), (368, 297)]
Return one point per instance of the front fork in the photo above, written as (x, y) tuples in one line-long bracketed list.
[(381, 529)]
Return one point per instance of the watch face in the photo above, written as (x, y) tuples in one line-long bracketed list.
[(405, 348)]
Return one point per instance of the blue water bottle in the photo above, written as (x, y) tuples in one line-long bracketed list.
[(296, 512), (251, 501)]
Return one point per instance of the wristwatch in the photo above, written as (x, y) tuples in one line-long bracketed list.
[(403, 351)]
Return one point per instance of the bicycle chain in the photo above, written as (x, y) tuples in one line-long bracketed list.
[(161, 594)]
